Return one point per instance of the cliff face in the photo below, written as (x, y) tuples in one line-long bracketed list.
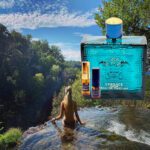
[(96, 134)]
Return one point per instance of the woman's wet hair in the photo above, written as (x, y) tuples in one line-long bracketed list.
[(67, 89)]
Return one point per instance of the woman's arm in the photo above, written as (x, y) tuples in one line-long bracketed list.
[(77, 115), (60, 113)]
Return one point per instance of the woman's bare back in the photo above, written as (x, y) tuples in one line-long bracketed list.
[(69, 111)]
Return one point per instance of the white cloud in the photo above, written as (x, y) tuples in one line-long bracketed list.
[(71, 51), (64, 44), (70, 54), (34, 20), (83, 35), (7, 3), (35, 39)]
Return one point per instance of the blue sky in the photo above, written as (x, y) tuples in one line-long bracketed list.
[(61, 22)]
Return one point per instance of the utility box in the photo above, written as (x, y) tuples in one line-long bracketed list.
[(119, 66)]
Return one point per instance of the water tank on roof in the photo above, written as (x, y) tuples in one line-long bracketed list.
[(114, 28)]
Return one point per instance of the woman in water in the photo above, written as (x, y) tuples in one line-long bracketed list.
[(68, 109)]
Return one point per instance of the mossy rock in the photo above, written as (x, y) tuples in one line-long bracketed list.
[(104, 131), (115, 137)]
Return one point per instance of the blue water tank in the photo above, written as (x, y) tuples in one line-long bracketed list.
[(114, 28)]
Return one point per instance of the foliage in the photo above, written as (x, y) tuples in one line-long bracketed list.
[(135, 15), (71, 70), (57, 100), (10, 138), (39, 79), (147, 83), (31, 72)]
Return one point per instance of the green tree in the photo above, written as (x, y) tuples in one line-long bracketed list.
[(31, 72), (135, 15), (55, 70), (56, 52), (39, 78)]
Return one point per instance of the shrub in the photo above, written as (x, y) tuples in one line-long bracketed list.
[(10, 138)]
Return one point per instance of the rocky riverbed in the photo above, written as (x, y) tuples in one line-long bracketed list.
[(106, 128)]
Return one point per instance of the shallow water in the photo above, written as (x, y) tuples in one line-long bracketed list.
[(132, 124)]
